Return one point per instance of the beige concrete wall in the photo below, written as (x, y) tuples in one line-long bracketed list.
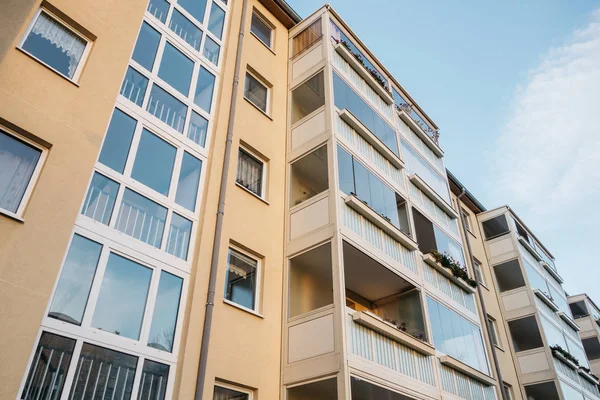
[(73, 120), (245, 348), (491, 299)]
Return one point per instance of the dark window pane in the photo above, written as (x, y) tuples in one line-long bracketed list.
[(154, 381), (103, 372), (425, 232), (159, 8), (509, 276), (216, 20), (542, 391), (176, 69), (48, 370), (345, 171), (55, 45), (578, 309), (592, 348), (525, 334), (196, 8), (256, 92), (145, 47), (204, 89), (100, 199), (164, 318), (185, 29), (154, 162), (261, 29), (134, 86), (241, 280), (250, 173), (73, 289), (495, 227), (189, 179), (17, 163), (222, 393), (117, 141)]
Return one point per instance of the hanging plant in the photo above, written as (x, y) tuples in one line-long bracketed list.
[(450, 263), (374, 73), (557, 349)]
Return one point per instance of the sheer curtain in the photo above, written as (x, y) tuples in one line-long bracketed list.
[(17, 162), (69, 43), (249, 173)]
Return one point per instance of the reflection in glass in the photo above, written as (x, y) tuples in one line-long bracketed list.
[(146, 46), (261, 30), (196, 8), (122, 297), (189, 178), (241, 280), (179, 236), (154, 381), (100, 199), (134, 86), (308, 97), (167, 108), (216, 20), (46, 377), (164, 318), (159, 8), (73, 289), (197, 129), (104, 374), (211, 50), (204, 89), (185, 29), (141, 218), (17, 163), (176, 69), (415, 164), (256, 92), (117, 141), (154, 162)]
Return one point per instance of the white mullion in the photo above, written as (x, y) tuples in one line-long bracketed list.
[(95, 287), (175, 174), (137, 378), (150, 303), (166, 231), (133, 148), (72, 370), (180, 311)]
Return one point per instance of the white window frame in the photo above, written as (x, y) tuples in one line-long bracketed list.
[(264, 175), (467, 219), (84, 56), (478, 272), (18, 215), (267, 86), (224, 385), (258, 290), (508, 390), (269, 25), (493, 325)]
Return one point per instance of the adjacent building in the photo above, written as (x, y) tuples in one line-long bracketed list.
[(587, 316)]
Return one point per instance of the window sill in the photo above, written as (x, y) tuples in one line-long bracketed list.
[(48, 66), (11, 215), (258, 108), (252, 193), (242, 308), (263, 43)]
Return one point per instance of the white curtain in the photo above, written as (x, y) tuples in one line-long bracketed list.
[(69, 43), (249, 173), (240, 264), (17, 162)]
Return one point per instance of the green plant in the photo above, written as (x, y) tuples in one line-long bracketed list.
[(457, 270), (557, 349), (587, 371), (374, 73)]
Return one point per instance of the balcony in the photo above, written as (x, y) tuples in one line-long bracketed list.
[(433, 195), (420, 128), (430, 260)]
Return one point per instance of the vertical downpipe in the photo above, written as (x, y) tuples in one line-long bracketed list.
[(210, 300)]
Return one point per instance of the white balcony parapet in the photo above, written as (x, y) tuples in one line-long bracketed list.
[(412, 124), (366, 75), (436, 198), (429, 259), (357, 205), (371, 138), (467, 370), (568, 320), (545, 299)]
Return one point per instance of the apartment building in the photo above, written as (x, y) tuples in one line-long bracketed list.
[(587, 316)]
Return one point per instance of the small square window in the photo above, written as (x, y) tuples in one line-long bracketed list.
[(20, 162), (242, 280), (56, 45), (262, 29), (257, 92), (251, 173)]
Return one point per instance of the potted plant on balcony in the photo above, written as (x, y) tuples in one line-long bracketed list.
[(450, 263), (562, 353)]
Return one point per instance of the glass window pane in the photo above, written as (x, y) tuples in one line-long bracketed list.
[(146, 46), (46, 377), (361, 182), (579, 309), (122, 298), (240, 284), (592, 347), (256, 92), (185, 29), (345, 171), (113, 372), (261, 29), (308, 97), (176, 69), (17, 163), (211, 50), (216, 20), (159, 8), (196, 8), (204, 89), (100, 199), (179, 236), (189, 179), (164, 318), (73, 289), (222, 393), (154, 162), (249, 173), (134, 86), (141, 218), (197, 129), (54, 44), (495, 227), (154, 381), (117, 141), (167, 108)]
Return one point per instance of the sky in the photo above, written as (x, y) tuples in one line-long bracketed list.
[(514, 87)]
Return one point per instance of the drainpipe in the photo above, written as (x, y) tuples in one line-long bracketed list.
[(480, 294), (214, 265)]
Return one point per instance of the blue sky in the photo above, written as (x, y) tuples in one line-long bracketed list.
[(515, 89)]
